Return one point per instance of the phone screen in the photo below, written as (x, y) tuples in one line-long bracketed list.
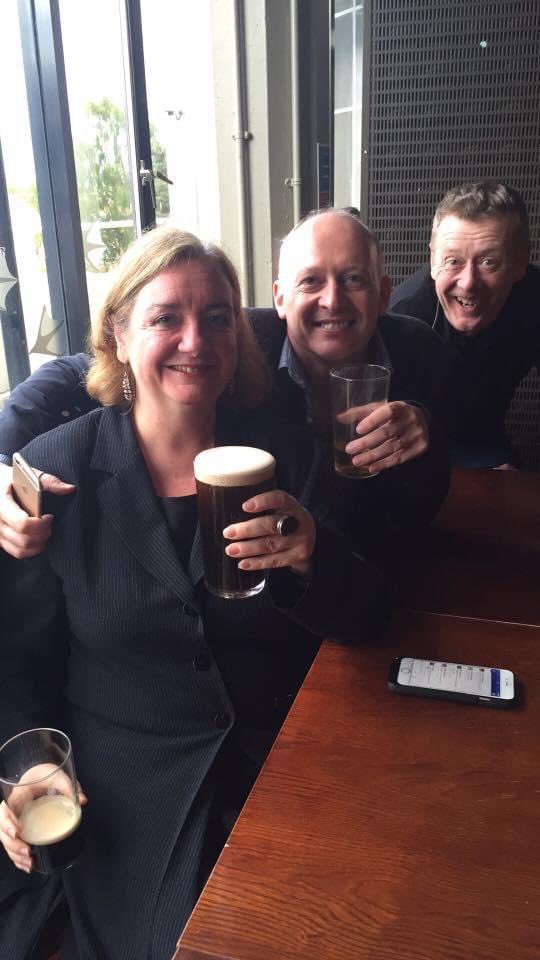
[(456, 678)]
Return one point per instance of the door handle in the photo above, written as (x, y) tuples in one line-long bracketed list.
[(148, 177)]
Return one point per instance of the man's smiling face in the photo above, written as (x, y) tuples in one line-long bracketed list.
[(330, 290), (475, 264)]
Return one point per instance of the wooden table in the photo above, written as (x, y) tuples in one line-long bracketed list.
[(386, 827), (482, 556)]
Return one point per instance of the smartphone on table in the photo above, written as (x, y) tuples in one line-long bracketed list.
[(490, 686), (26, 486)]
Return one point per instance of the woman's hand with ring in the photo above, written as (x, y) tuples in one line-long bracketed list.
[(273, 540)]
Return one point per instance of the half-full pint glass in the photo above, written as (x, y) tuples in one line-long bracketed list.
[(226, 477), (38, 782), (360, 388)]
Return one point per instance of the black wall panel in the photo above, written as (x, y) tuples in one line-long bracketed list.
[(454, 95)]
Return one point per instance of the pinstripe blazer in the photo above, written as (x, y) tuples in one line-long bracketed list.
[(109, 637)]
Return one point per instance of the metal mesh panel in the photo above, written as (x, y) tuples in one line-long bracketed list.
[(454, 95), (445, 109)]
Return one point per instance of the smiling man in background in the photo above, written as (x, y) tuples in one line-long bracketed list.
[(482, 297)]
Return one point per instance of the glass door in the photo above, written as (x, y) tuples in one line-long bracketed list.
[(348, 70)]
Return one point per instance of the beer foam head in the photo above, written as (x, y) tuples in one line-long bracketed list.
[(233, 466)]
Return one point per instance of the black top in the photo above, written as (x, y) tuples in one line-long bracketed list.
[(491, 364), (181, 514)]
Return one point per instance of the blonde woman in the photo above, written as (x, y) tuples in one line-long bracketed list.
[(171, 696)]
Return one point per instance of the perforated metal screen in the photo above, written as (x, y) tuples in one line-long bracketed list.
[(454, 94)]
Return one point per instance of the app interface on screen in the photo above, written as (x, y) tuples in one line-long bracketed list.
[(453, 677)]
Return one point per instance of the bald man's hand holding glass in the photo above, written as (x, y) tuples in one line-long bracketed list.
[(389, 435)]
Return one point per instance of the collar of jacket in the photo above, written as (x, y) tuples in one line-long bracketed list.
[(128, 500)]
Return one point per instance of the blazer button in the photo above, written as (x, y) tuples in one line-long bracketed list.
[(222, 720), (190, 611), (202, 663)]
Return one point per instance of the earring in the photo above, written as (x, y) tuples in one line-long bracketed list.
[(126, 387)]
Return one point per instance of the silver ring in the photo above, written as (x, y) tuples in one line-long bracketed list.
[(286, 525)]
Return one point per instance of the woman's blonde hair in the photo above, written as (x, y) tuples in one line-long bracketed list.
[(149, 255)]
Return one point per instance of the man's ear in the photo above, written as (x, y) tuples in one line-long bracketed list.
[(384, 294), (432, 262), (278, 299)]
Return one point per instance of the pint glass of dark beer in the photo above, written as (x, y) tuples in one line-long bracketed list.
[(38, 782), (226, 477)]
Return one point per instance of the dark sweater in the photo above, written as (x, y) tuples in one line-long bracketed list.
[(491, 365)]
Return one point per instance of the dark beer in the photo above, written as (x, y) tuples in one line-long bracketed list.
[(226, 477), (343, 461), (51, 824)]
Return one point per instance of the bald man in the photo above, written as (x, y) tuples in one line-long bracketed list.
[(331, 291)]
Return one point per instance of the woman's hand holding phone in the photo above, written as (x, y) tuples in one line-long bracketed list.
[(21, 535)]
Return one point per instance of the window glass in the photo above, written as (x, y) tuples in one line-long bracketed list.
[(45, 336), (358, 56), (94, 65), (348, 54), (177, 37), (343, 60)]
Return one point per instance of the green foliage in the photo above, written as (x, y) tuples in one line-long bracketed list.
[(159, 162), (28, 195), (104, 181)]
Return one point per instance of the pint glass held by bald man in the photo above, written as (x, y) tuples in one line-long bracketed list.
[(359, 386), (37, 777), (226, 477)]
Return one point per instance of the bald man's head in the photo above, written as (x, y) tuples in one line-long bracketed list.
[(331, 288), (351, 215)]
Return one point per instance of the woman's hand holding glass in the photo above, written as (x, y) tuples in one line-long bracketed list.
[(258, 544), (16, 848)]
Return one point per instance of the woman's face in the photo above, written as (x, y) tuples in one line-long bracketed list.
[(180, 340)]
